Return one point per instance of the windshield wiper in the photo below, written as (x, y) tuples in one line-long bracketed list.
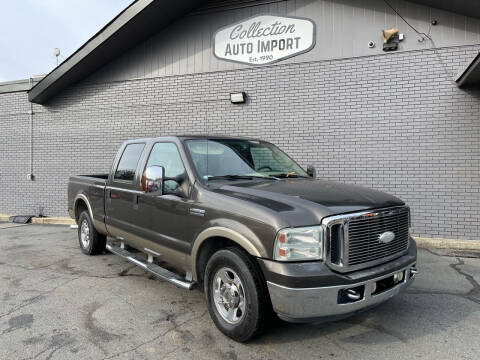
[(268, 177), (290, 176), (240, 177)]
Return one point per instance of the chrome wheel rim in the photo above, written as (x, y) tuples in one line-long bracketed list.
[(229, 295), (85, 234)]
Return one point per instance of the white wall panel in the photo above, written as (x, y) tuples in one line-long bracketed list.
[(344, 28)]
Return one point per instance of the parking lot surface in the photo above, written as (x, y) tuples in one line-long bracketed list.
[(56, 303)]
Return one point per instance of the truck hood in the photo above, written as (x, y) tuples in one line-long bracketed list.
[(306, 201)]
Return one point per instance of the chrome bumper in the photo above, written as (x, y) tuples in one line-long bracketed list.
[(306, 304)]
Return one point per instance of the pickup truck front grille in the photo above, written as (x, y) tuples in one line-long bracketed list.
[(360, 240), (363, 237)]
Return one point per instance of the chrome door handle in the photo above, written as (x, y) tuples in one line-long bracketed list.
[(196, 211)]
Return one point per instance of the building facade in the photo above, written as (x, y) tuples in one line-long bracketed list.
[(395, 121)]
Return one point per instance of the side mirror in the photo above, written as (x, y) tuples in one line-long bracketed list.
[(152, 180), (311, 171)]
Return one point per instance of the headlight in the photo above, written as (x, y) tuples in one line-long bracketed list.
[(302, 243)]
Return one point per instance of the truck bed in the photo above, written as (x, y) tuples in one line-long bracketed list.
[(95, 176), (93, 188)]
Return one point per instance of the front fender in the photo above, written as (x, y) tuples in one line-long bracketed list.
[(232, 230)]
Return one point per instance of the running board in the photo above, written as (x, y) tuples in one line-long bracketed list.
[(156, 270)]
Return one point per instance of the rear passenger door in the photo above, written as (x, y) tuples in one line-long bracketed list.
[(121, 197)]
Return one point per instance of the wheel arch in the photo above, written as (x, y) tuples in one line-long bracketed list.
[(80, 200), (215, 238)]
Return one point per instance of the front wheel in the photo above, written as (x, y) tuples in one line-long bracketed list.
[(236, 294), (90, 240)]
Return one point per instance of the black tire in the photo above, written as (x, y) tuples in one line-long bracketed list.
[(257, 301), (96, 241)]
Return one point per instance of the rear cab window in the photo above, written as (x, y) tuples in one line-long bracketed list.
[(128, 163)]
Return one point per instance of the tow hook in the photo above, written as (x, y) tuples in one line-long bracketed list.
[(353, 294)]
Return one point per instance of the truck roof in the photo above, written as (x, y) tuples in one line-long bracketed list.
[(214, 137), (184, 137)]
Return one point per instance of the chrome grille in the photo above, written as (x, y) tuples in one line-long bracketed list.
[(363, 237), (360, 246)]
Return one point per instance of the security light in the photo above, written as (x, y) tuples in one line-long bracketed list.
[(238, 98)]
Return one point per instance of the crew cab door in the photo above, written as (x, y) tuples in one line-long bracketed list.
[(164, 220), (121, 194)]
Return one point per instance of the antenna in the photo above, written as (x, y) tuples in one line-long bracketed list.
[(56, 52)]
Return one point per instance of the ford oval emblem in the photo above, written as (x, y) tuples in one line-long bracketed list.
[(386, 237)]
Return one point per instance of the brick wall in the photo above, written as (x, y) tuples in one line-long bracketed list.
[(394, 122)]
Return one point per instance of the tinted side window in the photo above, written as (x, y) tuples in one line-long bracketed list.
[(167, 155), (128, 162)]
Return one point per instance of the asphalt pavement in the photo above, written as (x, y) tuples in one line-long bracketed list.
[(56, 303)]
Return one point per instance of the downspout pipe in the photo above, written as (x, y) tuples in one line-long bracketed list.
[(31, 176)]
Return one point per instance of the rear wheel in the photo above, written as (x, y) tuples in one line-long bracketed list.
[(90, 240), (236, 294)]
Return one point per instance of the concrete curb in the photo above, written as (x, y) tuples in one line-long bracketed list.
[(53, 221), (428, 243), (45, 220)]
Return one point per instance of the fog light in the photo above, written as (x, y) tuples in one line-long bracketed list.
[(398, 277), (374, 287)]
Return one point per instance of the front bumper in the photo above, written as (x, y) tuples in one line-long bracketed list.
[(326, 295)]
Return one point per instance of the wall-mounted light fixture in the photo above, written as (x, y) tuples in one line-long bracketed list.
[(238, 98)]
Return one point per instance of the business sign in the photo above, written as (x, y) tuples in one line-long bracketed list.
[(264, 39)]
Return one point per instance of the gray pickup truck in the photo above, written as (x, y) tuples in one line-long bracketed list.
[(260, 233)]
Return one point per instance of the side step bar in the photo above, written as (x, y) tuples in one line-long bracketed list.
[(156, 270)]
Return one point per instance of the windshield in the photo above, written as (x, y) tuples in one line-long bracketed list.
[(232, 158)]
